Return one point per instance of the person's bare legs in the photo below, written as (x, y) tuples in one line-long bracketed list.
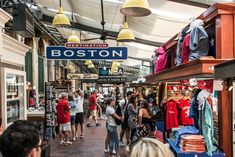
[(76, 130), (128, 135), (73, 131), (122, 134), (61, 135)]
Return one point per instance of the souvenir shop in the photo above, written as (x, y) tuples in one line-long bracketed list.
[(194, 102)]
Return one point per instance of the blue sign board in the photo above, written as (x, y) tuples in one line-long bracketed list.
[(64, 53)]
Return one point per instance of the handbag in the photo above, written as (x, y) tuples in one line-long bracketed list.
[(158, 135)]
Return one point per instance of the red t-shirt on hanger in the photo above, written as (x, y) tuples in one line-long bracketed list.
[(171, 115), (184, 107)]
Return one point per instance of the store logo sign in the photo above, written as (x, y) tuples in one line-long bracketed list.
[(86, 52), (107, 72)]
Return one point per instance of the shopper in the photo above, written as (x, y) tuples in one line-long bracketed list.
[(149, 147), (93, 109), (63, 111), (125, 127), (1, 127), (72, 116), (112, 126), (132, 115), (79, 99), (146, 124), (21, 139)]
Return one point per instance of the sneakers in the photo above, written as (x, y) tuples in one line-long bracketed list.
[(62, 142), (98, 124), (74, 139), (88, 125), (68, 143), (106, 150), (114, 152), (81, 136), (121, 144)]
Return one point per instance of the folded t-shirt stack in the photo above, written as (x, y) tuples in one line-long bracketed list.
[(192, 143)]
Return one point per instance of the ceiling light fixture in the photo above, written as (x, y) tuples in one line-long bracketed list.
[(88, 62), (73, 38), (136, 8), (90, 66), (125, 35), (61, 20)]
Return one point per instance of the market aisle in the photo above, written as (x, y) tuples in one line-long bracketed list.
[(91, 146)]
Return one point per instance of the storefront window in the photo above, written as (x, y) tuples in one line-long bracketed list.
[(15, 96)]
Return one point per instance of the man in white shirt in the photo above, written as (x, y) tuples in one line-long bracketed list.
[(79, 119)]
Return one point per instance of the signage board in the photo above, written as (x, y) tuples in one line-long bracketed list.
[(86, 53), (82, 76), (111, 80), (107, 72)]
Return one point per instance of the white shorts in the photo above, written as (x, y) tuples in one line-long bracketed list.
[(65, 127), (93, 113)]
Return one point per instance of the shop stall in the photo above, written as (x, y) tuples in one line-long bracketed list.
[(226, 73), (206, 42), (12, 75)]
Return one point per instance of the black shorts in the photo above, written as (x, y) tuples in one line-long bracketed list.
[(125, 125), (79, 118)]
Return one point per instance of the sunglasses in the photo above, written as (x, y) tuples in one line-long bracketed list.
[(43, 145)]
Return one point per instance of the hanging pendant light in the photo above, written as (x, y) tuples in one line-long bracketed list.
[(116, 64), (73, 38), (125, 35), (135, 8), (90, 66), (88, 62), (60, 20)]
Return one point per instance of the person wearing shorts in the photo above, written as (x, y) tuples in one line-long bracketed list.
[(72, 116), (63, 111), (79, 119), (93, 108)]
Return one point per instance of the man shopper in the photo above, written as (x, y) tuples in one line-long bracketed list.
[(93, 108), (21, 139), (63, 111), (79, 120)]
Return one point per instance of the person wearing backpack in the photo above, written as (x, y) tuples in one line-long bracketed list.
[(112, 126), (125, 127)]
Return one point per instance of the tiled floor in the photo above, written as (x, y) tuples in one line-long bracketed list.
[(91, 146)]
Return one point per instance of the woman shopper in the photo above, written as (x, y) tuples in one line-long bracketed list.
[(72, 116), (149, 147), (112, 126), (146, 125), (132, 113)]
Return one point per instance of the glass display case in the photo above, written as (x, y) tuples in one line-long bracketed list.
[(13, 95)]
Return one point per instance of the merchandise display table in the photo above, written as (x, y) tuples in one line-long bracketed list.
[(176, 150)]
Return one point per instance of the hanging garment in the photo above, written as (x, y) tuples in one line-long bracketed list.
[(162, 59), (199, 44), (208, 128), (184, 107), (185, 49), (194, 112), (178, 59), (171, 115)]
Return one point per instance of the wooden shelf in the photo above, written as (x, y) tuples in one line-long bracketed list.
[(202, 68)]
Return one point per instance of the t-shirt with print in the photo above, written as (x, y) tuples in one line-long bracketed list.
[(110, 119), (79, 104), (185, 49), (184, 107)]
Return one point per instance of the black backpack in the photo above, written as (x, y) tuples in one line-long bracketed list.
[(118, 111)]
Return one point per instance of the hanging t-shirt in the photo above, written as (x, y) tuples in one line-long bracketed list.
[(171, 115), (162, 59), (185, 49), (199, 44), (184, 108)]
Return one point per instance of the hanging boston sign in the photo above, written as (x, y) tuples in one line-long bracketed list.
[(74, 51)]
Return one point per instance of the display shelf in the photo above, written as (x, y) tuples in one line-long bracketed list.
[(176, 150), (202, 68)]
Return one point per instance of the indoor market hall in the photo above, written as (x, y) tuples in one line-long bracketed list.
[(117, 78)]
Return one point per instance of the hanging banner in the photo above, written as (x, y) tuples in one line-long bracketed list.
[(107, 72), (86, 53), (75, 76)]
